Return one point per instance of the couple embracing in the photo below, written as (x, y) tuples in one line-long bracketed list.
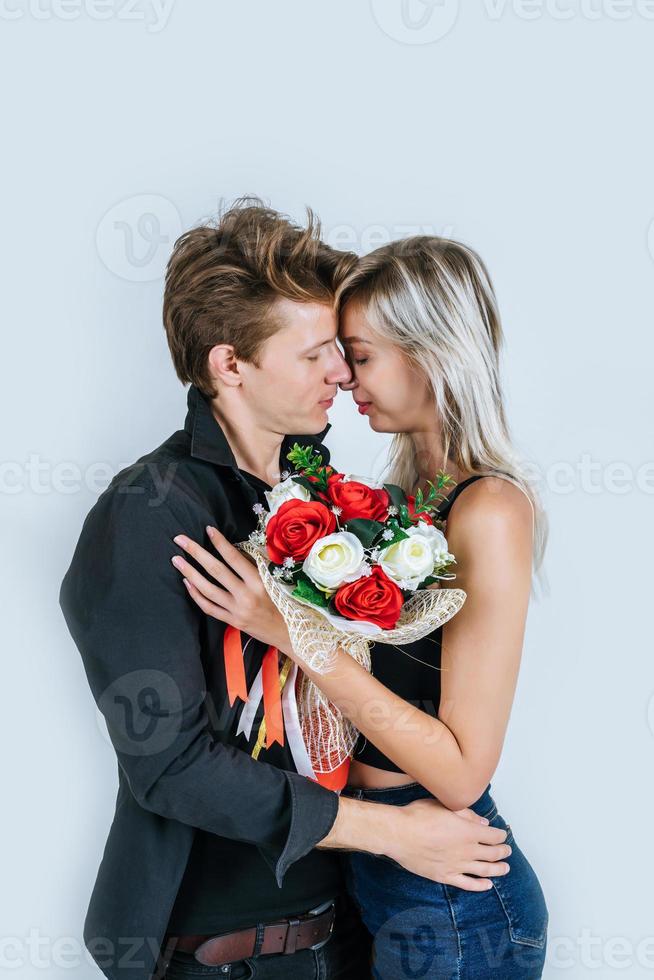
[(222, 861)]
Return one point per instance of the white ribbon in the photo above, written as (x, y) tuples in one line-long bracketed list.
[(292, 728)]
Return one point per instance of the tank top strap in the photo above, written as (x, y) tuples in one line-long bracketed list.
[(444, 506)]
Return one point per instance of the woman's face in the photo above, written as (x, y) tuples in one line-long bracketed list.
[(393, 395)]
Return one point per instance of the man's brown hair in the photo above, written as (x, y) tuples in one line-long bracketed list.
[(223, 278)]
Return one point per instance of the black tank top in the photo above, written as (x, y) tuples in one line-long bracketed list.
[(411, 671)]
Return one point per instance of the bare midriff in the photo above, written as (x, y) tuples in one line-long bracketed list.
[(363, 776)]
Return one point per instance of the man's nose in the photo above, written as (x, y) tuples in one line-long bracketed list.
[(340, 373)]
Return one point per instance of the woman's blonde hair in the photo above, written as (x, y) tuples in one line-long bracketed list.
[(434, 299)]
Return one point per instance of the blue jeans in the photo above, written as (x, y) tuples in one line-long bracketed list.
[(423, 930), (345, 956)]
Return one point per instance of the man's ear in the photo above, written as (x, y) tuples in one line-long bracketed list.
[(224, 366)]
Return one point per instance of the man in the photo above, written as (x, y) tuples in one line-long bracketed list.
[(215, 857)]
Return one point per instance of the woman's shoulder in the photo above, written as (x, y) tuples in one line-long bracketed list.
[(488, 497)]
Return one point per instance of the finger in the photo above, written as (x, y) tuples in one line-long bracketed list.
[(210, 608), (469, 814), (470, 884), (485, 852), (211, 591), (234, 558), (490, 835), (485, 869), (216, 568)]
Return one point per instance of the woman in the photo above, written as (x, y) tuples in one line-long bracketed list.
[(421, 331)]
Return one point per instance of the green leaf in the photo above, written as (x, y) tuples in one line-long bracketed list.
[(313, 488), (304, 457), (397, 495), (365, 530), (398, 535), (305, 589)]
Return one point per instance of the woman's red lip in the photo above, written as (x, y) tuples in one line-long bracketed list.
[(328, 402), (363, 407)]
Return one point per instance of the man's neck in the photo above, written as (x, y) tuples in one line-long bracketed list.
[(255, 449)]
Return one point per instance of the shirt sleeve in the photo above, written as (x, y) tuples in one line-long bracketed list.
[(138, 633)]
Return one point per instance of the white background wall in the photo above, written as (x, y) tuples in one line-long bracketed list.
[(522, 128)]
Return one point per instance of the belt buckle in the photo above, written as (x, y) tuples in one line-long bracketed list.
[(319, 909)]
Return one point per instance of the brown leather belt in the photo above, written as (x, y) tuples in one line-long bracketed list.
[(310, 930)]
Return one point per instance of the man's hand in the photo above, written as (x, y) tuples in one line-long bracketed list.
[(425, 838)]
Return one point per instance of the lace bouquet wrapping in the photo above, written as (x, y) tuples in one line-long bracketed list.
[(347, 561)]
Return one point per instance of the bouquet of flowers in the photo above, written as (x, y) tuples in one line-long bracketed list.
[(347, 560)]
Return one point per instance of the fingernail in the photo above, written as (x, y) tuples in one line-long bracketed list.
[(181, 540), (177, 561), (485, 820), (210, 530)]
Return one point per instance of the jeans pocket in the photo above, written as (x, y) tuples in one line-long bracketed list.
[(184, 966), (521, 895)]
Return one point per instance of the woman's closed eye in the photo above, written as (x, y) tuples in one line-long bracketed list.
[(360, 360)]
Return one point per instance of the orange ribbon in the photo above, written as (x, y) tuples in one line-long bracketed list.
[(337, 778), (272, 699), (234, 665)]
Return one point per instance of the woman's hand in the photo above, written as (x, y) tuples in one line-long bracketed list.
[(234, 593)]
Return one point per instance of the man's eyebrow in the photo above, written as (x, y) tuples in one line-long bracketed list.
[(355, 340), (330, 340)]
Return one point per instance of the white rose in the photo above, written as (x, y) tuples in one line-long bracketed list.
[(409, 561), (281, 492), (366, 480), (435, 537), (335, 559)]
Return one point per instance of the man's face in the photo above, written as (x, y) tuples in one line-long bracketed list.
[(300, 369)]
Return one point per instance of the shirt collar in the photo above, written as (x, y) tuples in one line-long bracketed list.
[(209, 442)]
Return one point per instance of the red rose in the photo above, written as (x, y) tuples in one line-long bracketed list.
[(332, 477), (417, 517), (357, 500), (374, 598), (296, 527)]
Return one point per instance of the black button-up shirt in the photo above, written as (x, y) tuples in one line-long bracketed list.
[(204, 838)]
